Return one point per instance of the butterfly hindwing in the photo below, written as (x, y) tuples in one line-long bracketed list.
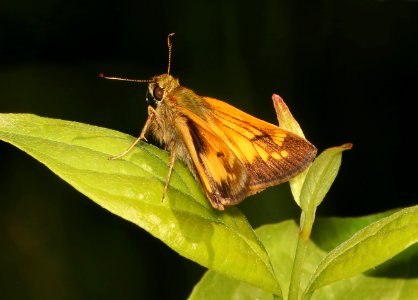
[(271, 155)]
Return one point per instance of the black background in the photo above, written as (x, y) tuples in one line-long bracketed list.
[(347, 70)]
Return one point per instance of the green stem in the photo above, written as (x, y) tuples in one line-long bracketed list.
[(306, 223)]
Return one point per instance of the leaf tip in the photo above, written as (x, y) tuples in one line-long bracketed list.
[(347, 146), (278, 102)]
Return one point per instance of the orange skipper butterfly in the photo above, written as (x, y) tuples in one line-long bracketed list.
[(231, 153)]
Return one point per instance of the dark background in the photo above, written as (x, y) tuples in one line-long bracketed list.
[(347, 70)]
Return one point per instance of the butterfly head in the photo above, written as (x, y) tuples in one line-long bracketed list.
[(159, 87)]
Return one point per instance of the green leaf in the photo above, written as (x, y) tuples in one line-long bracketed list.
[(320, 177), (131, 187), (368, 248), (216, 286), (280, 242), (395, 279), (288, 122)]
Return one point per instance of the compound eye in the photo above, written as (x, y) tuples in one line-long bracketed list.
[(158, 93)]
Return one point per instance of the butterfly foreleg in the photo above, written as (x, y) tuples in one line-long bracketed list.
[(152, 114), (170, 168)]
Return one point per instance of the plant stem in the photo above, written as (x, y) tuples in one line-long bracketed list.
[(306, 222)]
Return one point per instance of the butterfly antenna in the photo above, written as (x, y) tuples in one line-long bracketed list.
[(170, 45), (102, 75)]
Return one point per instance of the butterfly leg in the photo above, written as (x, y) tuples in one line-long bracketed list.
[(152, 114), (170, 168)]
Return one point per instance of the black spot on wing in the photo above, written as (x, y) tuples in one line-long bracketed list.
[(260, 137), (196, 137)]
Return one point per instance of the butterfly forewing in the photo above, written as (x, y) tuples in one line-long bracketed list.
[(222, 174)]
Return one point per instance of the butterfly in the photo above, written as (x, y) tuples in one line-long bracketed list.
[(230, 153)]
